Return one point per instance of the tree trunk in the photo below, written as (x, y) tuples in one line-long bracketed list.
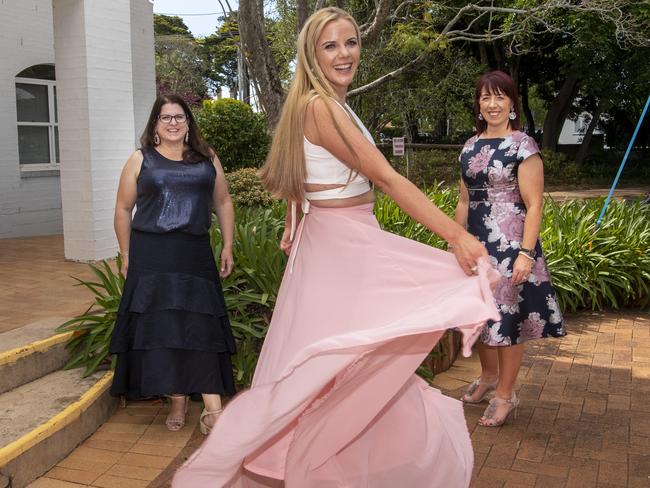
[(499, 55), (514, 70), (261, 62), (302, 13), (558, 112), (586, 140), (530, 121), (370, 31), (482, 49), (246, 91)]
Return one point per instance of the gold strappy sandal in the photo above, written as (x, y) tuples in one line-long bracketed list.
[(205, 428)]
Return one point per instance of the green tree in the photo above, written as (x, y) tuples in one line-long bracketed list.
[(169, 25), (220, 52), (499, 33), (180, 62)]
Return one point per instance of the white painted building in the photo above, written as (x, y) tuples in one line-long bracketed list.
[(573, 130), (77, 80)]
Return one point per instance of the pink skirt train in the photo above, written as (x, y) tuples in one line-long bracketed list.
[(335, 402)]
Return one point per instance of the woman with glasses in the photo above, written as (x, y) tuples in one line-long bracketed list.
[(172, 335)]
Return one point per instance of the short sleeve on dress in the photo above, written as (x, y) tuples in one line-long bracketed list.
[(527, 148)]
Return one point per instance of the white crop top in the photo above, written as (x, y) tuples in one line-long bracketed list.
[(323, 168)]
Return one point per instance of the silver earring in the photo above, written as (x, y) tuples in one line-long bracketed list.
[(156, 139), (512, 115), (187, 136), (480, 116)]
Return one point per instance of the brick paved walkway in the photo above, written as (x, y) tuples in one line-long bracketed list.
[(128, 451), (36, 283), (584, 419), (622, 193)]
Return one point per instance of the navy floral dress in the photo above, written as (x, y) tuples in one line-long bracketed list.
[(496, 217)]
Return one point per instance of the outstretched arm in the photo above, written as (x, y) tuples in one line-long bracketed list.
[(364, 157)]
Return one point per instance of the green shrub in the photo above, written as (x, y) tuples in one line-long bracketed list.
[(236, 133), (429, 166), (251, 290), (607, 267), (393, 219), (246, 189), (598, 268), (558, 167), (92, 329)]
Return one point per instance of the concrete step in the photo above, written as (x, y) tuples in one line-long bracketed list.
[(45, 412), (30, 352), (42, 421)]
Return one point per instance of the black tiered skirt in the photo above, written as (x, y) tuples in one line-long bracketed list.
[(172, 333)]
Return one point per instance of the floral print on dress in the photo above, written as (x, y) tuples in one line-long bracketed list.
[(496, 217), (480, 161)]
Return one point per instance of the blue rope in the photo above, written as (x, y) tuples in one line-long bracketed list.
[(620, 169)]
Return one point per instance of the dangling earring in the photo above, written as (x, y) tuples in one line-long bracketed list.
[(512, 115), (187, 136), (156, 139), (480, 116)]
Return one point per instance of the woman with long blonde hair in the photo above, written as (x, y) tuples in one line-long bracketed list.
[(335, 401)]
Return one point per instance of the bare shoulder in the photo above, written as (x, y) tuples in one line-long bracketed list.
[(322, 109), (326, 119), (534, 159), (216, 162), (134, 162), (214, 158)]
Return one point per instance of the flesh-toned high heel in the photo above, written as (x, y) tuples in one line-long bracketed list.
[(476, 384), (205, 428), (176, 422), (489, 418)]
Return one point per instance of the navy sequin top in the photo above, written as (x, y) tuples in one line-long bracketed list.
[(173, 195)]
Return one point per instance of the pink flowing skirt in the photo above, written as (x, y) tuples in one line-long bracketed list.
[(334, 401)]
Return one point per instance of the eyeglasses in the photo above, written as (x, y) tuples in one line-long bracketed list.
[(179, 118)]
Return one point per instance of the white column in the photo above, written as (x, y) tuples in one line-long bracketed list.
[(95, 87), (144, 63)]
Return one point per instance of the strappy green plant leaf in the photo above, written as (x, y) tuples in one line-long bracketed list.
[(92, 330)]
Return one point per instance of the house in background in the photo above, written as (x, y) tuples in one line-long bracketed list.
[(574, 130), (77, 80)]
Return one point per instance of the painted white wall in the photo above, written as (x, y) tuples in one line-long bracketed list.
[(30, 204), (97, 112), (144, 63), (105, 58)]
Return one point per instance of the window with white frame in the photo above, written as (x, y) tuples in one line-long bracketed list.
[(38, 128)]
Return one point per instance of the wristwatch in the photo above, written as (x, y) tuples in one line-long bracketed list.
[(529, 252)]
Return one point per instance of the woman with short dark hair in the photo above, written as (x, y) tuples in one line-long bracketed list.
[(501, 203)]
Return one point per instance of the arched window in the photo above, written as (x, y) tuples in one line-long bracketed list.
[(38, 128)]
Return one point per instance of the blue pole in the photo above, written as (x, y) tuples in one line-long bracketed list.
[(620, 169)]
